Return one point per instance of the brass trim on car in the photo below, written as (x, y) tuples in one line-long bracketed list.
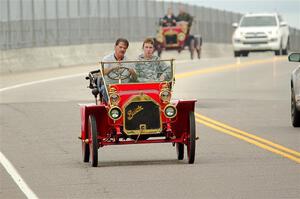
[(143, 127), (113, 107), (113, 91), (159, 36), (165, 88), (181, 36), (173, 107)]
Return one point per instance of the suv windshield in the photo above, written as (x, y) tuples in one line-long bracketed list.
[(138, 71), (258, 21)]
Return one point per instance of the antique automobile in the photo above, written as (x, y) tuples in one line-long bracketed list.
[(136, 111), (295, 91), (177, 38)]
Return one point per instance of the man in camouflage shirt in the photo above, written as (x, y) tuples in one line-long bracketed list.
[(151, 71)]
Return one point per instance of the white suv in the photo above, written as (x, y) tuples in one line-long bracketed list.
[(260, 32)]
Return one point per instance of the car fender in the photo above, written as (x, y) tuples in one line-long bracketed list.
[(284, 35), (101, 114), (181, 122), (295, 81)]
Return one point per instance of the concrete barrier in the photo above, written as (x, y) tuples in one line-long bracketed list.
[(32, 59)]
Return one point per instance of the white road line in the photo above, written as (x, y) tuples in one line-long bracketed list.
[(41, 81), (16, 177), (4, 161)]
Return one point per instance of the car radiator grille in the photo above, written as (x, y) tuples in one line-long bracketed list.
[(171, 39), (142, 117), (251, 35), (255, 42)]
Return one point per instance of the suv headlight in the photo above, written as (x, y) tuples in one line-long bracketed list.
[(170, 111), (115, 113), (273, 32)]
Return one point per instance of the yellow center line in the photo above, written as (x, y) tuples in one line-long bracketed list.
[(248, 135), (250, 138), (274, 148), (219, 68)]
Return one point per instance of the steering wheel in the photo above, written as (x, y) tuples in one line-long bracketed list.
[(120, 72)]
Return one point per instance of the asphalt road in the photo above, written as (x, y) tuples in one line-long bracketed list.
[(249, 97)]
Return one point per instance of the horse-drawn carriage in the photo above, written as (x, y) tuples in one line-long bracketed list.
[(135, 112), (177, 37)]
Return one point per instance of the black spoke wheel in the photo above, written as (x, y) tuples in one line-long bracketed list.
[(180, 151), (191, 144), (295, 114), (92, 130), (85, 150)]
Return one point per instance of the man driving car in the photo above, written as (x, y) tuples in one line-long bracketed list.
[(118, 55), (121, 46)]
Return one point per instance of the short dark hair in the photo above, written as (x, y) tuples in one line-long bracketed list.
[(148, 41), (125, 41)]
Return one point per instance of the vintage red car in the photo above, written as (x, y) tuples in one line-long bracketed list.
[(136, 112), (177, 37), (172, 36)]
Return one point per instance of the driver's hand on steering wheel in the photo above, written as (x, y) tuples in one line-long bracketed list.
[(133, 74), (162, 77)]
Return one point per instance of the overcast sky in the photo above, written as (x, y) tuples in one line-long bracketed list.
[(289, 9)]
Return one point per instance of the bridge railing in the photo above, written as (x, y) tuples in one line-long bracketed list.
[(35, 23)]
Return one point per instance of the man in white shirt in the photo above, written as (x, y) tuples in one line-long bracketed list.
[(118, 55)]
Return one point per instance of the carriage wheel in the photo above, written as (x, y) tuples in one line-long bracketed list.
[(85, 151), (180, 151), (192, 47), (191, 144), (92, 130), (198, 49), (198, 45)]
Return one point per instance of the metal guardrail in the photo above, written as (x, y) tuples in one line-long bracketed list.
[(33, 23)]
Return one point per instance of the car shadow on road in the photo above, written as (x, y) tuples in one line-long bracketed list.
[(140, 163)]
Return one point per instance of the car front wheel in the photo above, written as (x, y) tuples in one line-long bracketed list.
[(237, 53), (191, 143), (295, 114), (285, 51), (279, 51), (92, 130), (85, 151), (245, 53)]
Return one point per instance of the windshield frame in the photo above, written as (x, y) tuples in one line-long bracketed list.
[(106, 85), (102, 63)]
